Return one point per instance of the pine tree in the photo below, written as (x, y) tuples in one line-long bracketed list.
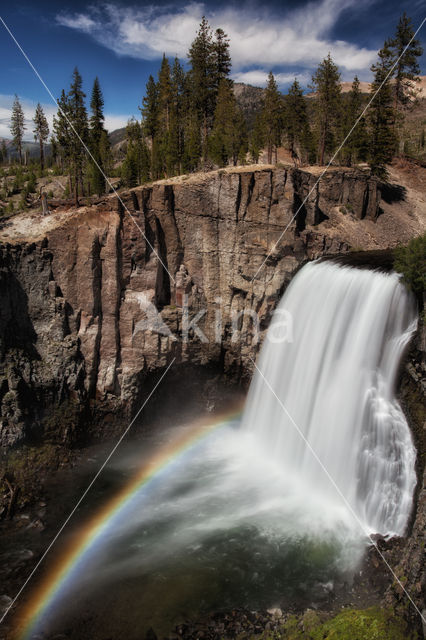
[(242, 140), (105, 152), (382, 115), (129, 168), (272, 117), (202, 60), (54, 147), (17, 126), (41, 131), (96, 134), (149, 111), (228, 140), (192, 151), (78, 118), (97, 111), (136, 166), (355, 148), (406, 72), (222, 58), (164, 88), (326, 84), (3, 152), (296, 122), (178, 110), (164, 114), (178, 115), (407, 67), (257, 138), (63, 134), (172, 159), (308, 144)]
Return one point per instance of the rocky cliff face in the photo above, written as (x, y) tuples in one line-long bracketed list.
[(91, 303), (410, 567), (81, 291), (93, 300)]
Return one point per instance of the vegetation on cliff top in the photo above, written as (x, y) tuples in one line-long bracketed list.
[(411, 262), (192, 120)]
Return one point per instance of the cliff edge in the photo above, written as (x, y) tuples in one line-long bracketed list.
[(94, 299)]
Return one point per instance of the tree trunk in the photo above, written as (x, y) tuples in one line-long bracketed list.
[(152, 158), (44, 204), (322, 150), (395, 103), (398, 152), (205, 139), (13, 492), (76, 189), (41, 155)]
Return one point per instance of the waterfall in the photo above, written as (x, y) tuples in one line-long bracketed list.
[(247, 516), (334, 377)]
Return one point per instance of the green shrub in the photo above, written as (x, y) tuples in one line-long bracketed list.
[(32, 183), (368, 624), (350, 624), (411, 262), (18, 182), (26, 465)]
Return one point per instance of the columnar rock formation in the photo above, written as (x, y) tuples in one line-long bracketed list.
[(88, 304), (79, 297)]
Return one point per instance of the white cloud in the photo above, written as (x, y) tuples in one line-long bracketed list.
[(81, 22), (300, 38), (112, 121), (259, 77)]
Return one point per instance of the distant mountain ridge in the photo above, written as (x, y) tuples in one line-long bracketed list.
[(365, 87), (33, 148)]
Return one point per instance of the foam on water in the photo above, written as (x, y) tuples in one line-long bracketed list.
[(247, 511), (336, 380)]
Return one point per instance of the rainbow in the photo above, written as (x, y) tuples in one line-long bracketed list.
[(57, 576)]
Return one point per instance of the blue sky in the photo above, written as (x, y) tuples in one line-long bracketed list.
[(122, 43)]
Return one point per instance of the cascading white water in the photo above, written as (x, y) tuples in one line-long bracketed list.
[(247, 517), (335, 377)]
